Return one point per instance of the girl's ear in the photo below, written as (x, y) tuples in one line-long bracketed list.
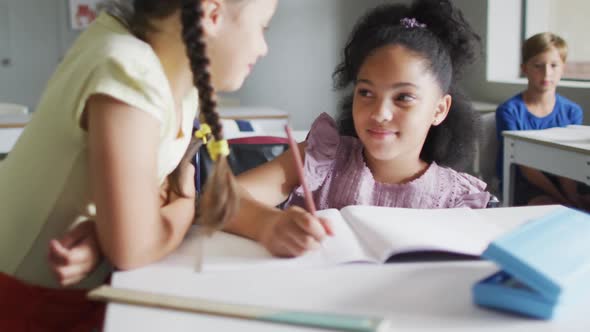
[(442, 109), (211, 20)]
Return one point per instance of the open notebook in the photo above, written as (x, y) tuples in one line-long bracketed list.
[(361, 234)]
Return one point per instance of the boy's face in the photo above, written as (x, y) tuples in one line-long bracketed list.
[(396, 101), (544, 71)]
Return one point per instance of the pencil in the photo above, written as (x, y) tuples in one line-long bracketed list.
[(299, 166)]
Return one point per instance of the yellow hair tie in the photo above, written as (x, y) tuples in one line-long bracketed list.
[(218, 148), (203, 132)]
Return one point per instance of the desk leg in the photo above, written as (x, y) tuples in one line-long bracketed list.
[(509, 173)]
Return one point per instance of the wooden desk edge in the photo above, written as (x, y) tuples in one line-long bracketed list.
[(12, 125)]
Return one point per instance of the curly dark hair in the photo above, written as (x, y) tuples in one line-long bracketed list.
[(220, 194), (447, 43)]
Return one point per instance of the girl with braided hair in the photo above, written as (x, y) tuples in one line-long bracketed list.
[(111, 138), (400, 133)]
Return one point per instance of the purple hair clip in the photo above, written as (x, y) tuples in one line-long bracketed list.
[(411, 22)]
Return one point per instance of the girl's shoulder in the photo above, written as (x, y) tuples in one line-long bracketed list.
[(107, 38), (112, 61), (325, 142), (461, 189), (324, 149), (107, 48), (323, 138)]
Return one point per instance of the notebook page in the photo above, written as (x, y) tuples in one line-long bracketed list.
[(224, 251), (396, 230)]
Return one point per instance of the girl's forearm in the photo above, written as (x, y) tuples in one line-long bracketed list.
[(253, 217), (178, 216), (152, 241)]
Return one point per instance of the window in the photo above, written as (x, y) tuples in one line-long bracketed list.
[(567, 19), (512, 21)]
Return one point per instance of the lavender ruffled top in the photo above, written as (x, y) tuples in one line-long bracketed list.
[(338, 176)]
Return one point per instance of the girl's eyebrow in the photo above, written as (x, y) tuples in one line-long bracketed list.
[(393, 86)]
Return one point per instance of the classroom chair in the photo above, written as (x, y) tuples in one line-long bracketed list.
[(488, 151), (246, 153)]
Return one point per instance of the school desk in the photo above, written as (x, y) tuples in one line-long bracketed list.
[(265, 119), (427, 296), (11, 126), (560, 151)]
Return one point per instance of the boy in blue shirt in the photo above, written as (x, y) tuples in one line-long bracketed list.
[(540, 107)]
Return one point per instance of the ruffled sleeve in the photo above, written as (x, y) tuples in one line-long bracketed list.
[(320, 153), (470, 191), (132, 77)]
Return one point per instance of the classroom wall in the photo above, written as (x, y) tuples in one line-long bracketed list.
[(296, 75), (34, 35), (305, 40), (475, 82)]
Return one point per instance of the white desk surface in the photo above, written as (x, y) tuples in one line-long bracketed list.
[(415, 296), (560, 151), (8, 137), (11, 127)]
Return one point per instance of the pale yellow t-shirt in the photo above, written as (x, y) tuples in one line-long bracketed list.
[(44, 180)]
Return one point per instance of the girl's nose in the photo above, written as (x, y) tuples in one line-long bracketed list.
[(383, 112)]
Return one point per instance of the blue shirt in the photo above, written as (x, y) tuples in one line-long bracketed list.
[(514, 115)]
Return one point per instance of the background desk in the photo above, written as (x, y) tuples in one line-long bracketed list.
[(11, 126), (416, 296), (560, 151), (263, 119)]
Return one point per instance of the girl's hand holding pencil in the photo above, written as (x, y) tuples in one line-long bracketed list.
[(293, 232)]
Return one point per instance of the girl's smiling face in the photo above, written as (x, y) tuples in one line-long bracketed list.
[(396, 101)]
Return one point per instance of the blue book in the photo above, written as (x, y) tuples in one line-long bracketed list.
[(545, 266)]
